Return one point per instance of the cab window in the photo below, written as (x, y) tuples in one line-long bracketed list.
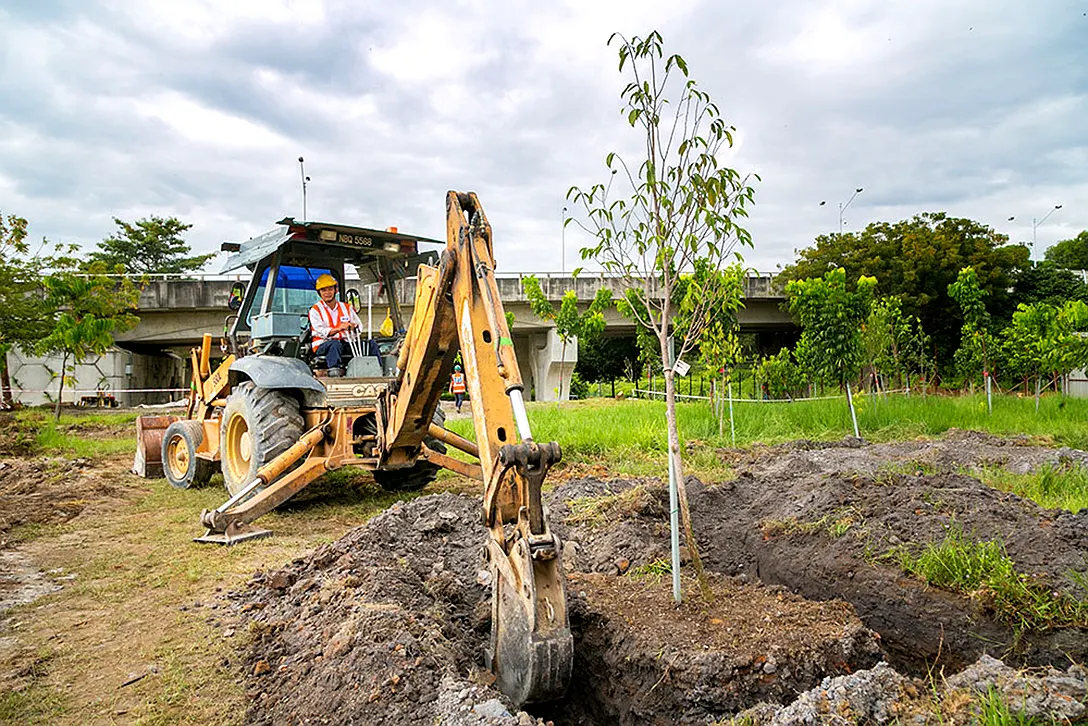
[(294, 292)]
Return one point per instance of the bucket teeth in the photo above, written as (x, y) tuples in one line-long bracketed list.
[(532, 650)]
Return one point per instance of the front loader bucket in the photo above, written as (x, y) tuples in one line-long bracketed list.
[(149, 435)]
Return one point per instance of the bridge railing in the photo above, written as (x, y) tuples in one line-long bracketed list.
[(209, 291)]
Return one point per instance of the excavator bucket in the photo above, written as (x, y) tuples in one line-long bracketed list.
[(149, 434), (532, 650)]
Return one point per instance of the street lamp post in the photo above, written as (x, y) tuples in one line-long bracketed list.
[(1035, 224), (563, 236), (302, 170), (842, 207)]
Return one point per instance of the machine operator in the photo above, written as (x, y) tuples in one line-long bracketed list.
[(330, 321)]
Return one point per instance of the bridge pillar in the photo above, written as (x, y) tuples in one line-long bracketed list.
[(549, 365)]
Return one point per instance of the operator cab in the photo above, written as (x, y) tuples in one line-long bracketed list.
[(273, 311)]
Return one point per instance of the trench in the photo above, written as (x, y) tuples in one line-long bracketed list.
[(650, 671)]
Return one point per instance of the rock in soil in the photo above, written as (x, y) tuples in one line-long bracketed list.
[(881, 695)]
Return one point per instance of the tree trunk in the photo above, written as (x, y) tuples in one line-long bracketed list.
[(613, 382), (1038, 390), (6, 399), (60, 390), (562, 364), (678, 469)]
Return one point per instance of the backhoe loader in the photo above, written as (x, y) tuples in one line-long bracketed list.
[(272, 423)]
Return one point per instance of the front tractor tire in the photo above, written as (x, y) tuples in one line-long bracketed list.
[(258, 424), (180, 463), (420, 474)]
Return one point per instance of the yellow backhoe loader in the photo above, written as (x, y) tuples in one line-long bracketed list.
[(272, 422)]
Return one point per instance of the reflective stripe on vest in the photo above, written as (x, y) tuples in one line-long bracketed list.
[(331, 318)]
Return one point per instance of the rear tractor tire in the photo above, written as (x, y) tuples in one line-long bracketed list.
[(419, 475), (258, 424), (180, 463)]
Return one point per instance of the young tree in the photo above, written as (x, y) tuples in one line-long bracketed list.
[(569, 323), (1027, 342), (151, 245), (719, 344), (678, 206), (831, 316), (973, 355), (24, 317), (91, 307), (781, 374)]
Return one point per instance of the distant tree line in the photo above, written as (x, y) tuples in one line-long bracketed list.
[(944, 299)]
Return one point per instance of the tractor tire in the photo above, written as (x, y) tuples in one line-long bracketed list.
[(180, 463), (422, 473), (258, 424)]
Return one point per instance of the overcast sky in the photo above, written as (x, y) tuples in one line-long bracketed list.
[(200, 108)]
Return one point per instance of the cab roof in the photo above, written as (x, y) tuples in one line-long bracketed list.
[(358, 245)]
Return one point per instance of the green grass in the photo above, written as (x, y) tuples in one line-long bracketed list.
[(81, 435), (34, 702), (1051, 487), (629, 436), (597, 426), (651, 570), (983, 570), (995, 711)]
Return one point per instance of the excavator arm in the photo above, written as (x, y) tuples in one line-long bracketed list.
[(458, 308)]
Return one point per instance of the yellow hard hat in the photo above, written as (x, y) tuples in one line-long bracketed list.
[(325, 280)]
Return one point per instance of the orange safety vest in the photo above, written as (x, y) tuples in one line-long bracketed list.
[(331, 317), (457, 383)]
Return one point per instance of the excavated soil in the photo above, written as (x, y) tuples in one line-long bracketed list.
[(387, 625), (44, 490)]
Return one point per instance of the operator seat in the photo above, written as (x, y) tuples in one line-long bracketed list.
[(318, 362)]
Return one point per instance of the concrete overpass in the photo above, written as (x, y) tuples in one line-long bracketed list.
[(176, 311)]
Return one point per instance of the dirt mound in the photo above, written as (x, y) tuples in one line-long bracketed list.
[(957, 451), (698, 662), (388, 625), (815, 519), (382, 626)]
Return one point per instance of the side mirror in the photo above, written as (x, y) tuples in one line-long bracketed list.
[(352, 298), (237, 293)]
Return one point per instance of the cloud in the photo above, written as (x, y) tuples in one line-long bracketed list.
[(200, 110)]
